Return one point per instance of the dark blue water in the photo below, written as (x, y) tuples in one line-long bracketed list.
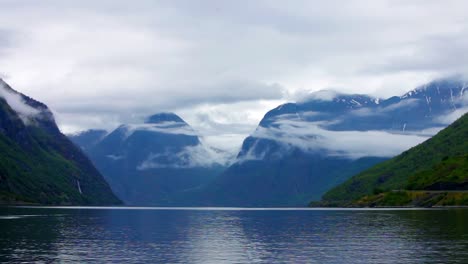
[(233, 236)]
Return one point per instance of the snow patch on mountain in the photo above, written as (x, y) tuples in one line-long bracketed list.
[(356, 102)]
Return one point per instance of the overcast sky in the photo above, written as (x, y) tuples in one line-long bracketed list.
[(220, 65)]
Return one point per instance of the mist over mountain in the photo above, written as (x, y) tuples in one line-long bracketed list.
[(430, 174), (300, 150), (89, 138), (297, 153), (38, 164), (155, 162)]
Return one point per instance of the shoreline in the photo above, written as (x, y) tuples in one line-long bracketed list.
[(383, 208)]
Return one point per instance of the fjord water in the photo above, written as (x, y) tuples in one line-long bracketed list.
[(156, 235)]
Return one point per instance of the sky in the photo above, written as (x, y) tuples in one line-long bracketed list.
[(220, 65)]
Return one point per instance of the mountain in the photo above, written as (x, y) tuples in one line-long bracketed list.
[(301, 150), (424, 172), (155, 162), (38, 164), (88, 139)]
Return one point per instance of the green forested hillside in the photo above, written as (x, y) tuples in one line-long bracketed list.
[(449, 174), (38, 164), (439, 164)]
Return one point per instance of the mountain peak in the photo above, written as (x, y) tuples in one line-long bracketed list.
[(164, 117), (160, 123), (453, 85), (332, 95)]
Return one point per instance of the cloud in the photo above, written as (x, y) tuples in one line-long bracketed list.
[(104, 63), (197, 156), (224, 126), (462, 102), (16, 102), (451, 117), (201, 156), (252, 153), (115, 157), (170, 127), (379, 111), (310, 137), (323, 95)]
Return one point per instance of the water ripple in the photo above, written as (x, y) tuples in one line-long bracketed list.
[(233, 236)]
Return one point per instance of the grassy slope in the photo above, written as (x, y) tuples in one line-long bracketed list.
[(441, 159)]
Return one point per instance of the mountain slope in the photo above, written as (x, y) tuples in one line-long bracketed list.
[(300, 150), (88, 139), (440, 163), (293, 181), (449, 174), (38, 164), (156, 162)]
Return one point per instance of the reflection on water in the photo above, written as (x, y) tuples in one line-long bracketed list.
[(233, 236)]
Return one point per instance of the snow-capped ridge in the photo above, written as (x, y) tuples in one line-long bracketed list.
[(440, 86), (353, 100)]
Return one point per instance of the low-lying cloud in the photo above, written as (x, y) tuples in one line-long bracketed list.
[(170, 127), (310, 137), (16, 102), (198, 156), (451, 117)]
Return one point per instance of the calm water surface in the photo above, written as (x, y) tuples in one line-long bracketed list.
[(151, 235)]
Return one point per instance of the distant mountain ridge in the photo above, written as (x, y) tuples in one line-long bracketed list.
[(154, 162), (412, 111), (38, 163), (300, 150), (89, 138), (297, 153)]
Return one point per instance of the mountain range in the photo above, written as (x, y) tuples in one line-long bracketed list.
[(301, 150), (40, 165), (152, 163), (298, 152)]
